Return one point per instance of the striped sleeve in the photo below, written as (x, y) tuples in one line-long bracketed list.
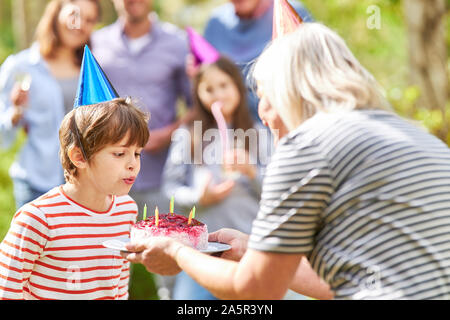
[(297, 188), (22, 246)]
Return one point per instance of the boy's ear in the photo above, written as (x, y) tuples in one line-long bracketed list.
[(76, 157)]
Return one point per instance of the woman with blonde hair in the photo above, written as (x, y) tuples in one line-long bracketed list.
[(37, 88), (355, 200)]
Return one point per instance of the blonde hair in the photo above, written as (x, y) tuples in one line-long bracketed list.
[(91, 128), (312, 70)]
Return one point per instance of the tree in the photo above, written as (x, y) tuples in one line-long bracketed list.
[(428, 55)]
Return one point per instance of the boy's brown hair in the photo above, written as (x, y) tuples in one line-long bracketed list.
[(93, 127)]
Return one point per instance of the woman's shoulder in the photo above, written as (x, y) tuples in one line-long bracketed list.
[(26, 56)]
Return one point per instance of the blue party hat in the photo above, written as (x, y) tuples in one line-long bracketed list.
[(93, 85)]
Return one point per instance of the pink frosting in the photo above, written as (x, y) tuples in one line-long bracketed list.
[(174, 226)]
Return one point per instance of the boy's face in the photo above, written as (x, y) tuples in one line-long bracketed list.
[(113, 170)]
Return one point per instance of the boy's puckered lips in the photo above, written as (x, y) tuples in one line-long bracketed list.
[(129, 180)]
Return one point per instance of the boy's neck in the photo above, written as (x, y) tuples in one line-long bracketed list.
[(87, 196)]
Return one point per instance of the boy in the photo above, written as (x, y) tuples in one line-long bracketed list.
[(53, 249)]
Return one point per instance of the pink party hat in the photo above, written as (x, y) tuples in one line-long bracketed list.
[(202, 50), (285, 19)]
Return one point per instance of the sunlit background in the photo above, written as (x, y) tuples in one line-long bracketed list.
[(387, 36)]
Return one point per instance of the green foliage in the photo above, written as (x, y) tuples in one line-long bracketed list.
[(7, 204), (142, 284), (382, 51)]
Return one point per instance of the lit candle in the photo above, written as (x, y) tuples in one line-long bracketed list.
[(171, 204), (156, 217), (191, 215), (145, 211)]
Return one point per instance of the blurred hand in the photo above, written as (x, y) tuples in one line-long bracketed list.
[(191, 68), (188, 117), (160, 138), (19, 98), (157, 254), (215, 193), (239, 160), (236, 239)]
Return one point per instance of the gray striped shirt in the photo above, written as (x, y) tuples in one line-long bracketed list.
[(366, 196)]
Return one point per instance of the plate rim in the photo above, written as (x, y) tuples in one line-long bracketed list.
[(207, 250)]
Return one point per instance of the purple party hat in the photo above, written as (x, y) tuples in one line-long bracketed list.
[(202, 50)]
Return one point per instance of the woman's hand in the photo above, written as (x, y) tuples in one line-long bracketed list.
[(238, 241), (157, 254), (19, 98), (215, 193), (239, 160)]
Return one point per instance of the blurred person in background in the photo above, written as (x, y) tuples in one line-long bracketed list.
[(241, 29), (226, 192), (145, 58), (37, 88)]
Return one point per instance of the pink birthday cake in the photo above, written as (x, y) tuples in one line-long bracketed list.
[(174, 226)]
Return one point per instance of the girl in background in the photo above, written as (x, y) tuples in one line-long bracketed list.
[(37, 88), (222, 200)]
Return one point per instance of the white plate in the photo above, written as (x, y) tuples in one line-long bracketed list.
[(214, 247), (119, 244)]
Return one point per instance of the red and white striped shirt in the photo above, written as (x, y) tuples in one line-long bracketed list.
[(53, 250)]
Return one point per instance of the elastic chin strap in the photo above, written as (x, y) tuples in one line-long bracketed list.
[(77, 134)]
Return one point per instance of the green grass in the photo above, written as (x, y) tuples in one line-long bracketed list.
[(7, 205)]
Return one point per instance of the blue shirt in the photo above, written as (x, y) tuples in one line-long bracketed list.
[(155, 76), (243, 40), (38, 161)]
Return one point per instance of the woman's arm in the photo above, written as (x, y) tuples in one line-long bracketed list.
[(8, 129), (258, 274), (251, 278), (306, 281)]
